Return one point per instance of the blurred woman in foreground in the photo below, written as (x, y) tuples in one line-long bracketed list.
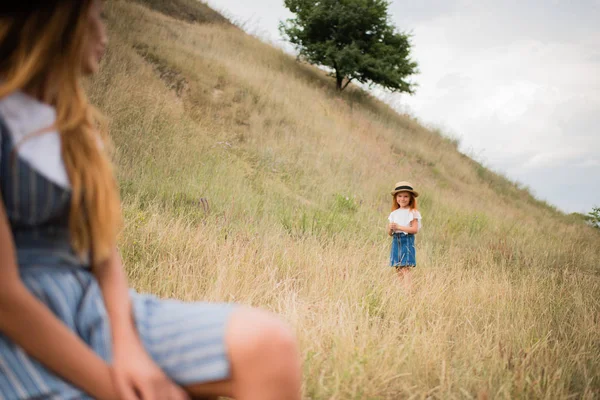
[(69, 326)]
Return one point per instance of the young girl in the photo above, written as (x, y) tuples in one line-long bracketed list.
[(404, 224), (69, 327)]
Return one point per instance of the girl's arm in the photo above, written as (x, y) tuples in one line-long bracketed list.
[(413, 228), (31, 325)]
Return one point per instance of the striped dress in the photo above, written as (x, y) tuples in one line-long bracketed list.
[(187, 340)]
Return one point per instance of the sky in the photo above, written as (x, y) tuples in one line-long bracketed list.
[(517, 82)]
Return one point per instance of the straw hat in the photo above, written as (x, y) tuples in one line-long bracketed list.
[(404, 187)]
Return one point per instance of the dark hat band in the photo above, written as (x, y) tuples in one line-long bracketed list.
[(13, 8), (404, 188)]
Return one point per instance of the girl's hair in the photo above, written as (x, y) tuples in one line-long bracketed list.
[(412, 204), (46, 46)]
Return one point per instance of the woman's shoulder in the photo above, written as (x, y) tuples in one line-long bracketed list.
[(23, 116), (28, 125), (27, 110), (415, 214)]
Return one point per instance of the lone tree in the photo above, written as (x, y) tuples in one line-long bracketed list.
[(354, 38)]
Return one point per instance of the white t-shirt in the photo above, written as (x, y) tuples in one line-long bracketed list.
[(403, 217)]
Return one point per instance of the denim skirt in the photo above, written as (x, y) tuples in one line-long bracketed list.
[(403, 252)]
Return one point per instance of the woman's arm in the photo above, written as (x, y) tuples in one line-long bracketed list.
[(113, 283), (135, 372), (30, 324)]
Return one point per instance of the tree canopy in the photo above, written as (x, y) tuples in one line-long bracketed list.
[(355, 39)]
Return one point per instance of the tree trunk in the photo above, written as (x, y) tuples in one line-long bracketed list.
[(347, 83), (339, 80)]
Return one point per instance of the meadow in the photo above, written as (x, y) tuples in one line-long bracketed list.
[(247, 178)]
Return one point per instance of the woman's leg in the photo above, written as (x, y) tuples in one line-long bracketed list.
[(264, 359)]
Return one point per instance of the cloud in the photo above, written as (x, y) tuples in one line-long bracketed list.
[(588, 163), (555, 159)]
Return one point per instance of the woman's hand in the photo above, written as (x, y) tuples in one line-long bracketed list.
[(137, 377)]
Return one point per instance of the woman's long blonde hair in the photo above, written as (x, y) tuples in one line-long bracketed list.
[(41, 53)]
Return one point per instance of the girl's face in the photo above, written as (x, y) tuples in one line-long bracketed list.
[(97, 40), (403, 199)]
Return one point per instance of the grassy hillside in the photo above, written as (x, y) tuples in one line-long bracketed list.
[(247, 178)]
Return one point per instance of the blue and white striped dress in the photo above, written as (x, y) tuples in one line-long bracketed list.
[(187, 340)]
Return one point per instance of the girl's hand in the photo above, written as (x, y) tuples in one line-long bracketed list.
[(393, 227), (137, 377)]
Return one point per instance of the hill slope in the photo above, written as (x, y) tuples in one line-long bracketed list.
[(247, 178)]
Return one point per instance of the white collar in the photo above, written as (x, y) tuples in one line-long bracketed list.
[(24, 115)]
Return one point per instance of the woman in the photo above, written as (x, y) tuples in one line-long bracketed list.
[(69, 327)]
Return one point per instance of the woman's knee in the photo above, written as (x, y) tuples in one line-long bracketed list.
[(259, 340)]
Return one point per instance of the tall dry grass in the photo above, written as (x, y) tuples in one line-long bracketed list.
[(245, 177)]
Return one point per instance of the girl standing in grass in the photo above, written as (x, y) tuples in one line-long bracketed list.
[(404, 224), (69, 326)]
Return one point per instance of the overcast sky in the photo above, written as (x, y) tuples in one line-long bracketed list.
[(517, 81)]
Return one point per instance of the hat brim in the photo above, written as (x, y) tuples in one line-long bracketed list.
[(416, 194)]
